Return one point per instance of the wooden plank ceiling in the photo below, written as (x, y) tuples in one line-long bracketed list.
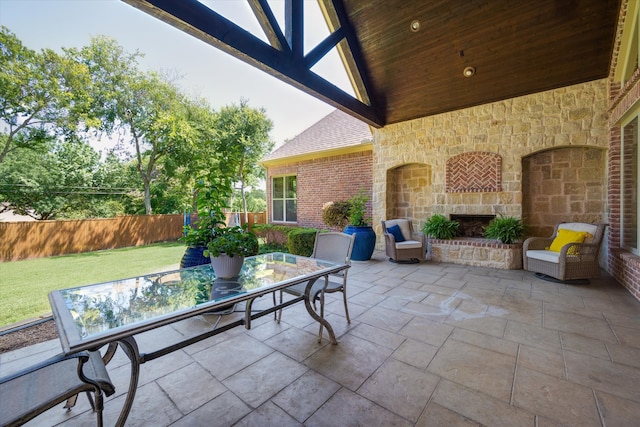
[(406, 58)]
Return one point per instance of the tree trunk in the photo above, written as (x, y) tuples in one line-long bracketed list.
[(147, 196)]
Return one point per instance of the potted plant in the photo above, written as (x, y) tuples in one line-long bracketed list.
[(196, 238), (440, 227), (360, 225), (506, 229), (211, 196), (227, 249), (336, 214)]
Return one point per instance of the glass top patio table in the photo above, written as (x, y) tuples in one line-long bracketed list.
[(88, 317)]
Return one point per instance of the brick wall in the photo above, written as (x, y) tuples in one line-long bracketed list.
[(574, 116), (326, 179), (622, 264)]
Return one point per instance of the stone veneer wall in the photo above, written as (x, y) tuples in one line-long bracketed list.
[(564, 184), (408, 190), (514, 128)]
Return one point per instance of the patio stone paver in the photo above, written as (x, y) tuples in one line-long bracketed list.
[(400, 388), (305, 395), (555, 398), (429, 344), (476, 368)]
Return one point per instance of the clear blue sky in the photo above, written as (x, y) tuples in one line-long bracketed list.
[(205, 70)]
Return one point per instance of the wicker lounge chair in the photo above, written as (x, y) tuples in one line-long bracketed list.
[(574, 261), (335, 247), (410, 247), (32, 391)]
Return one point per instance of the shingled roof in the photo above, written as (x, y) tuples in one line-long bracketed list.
[(336, 132)]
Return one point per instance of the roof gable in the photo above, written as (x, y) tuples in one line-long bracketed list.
[(336, 131)]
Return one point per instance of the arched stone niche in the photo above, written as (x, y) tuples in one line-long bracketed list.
[(409, 192), (563, 184)]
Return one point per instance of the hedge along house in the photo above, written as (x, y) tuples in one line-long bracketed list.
[(520, 108), (329, 161)]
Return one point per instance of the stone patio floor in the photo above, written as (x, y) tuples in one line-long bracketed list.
[(432, 344)]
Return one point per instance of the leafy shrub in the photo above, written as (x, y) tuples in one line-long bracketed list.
[(440, 227), (301, 241), (266, 248), (358, 210), (507, 229), (284, 238), (336, 214), (272, 233)]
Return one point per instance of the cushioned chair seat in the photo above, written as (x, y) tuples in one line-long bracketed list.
[(576, 259), (413, 248), (409, 244), (543, 255)]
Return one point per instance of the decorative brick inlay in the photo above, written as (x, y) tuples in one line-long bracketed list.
[(477, 172)]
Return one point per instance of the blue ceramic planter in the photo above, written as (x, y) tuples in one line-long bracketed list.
[(193, 256), (364, 244)]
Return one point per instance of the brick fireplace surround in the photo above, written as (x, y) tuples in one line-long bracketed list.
[(470, 248), (476, 251)]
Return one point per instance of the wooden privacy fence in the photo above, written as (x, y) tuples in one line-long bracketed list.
[(36, 239)]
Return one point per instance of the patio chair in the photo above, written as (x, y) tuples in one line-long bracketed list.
[(402, 244), (569, 255), (28, 393), (331, 246)]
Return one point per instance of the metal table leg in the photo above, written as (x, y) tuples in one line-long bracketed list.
[(130, 348), (323, 322)]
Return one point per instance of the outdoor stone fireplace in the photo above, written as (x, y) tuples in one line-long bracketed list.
[(540, 157), (471, 225)]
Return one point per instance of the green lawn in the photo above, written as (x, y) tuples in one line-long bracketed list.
[(24, 285)]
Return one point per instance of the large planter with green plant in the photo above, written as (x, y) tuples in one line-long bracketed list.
[(506, 229), (194, 256), (228, 248), (360, 225), (196, 239)]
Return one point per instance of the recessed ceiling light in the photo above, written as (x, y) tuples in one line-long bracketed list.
[(415, 26), (469, 71)]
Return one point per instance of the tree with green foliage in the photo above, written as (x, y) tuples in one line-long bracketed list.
[(42, 95), (145, 110), (243, 134), (184, 153), (49, 182), (256, 201)]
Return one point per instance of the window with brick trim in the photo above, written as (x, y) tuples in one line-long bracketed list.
[(630, 179), (627, 74), (284, 198)]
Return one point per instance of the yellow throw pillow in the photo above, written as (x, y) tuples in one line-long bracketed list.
[(567, 236)]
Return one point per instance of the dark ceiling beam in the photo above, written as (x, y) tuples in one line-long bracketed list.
[(269, 24), (318, 52), (198, 20), (356, 56), (294, 27)]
